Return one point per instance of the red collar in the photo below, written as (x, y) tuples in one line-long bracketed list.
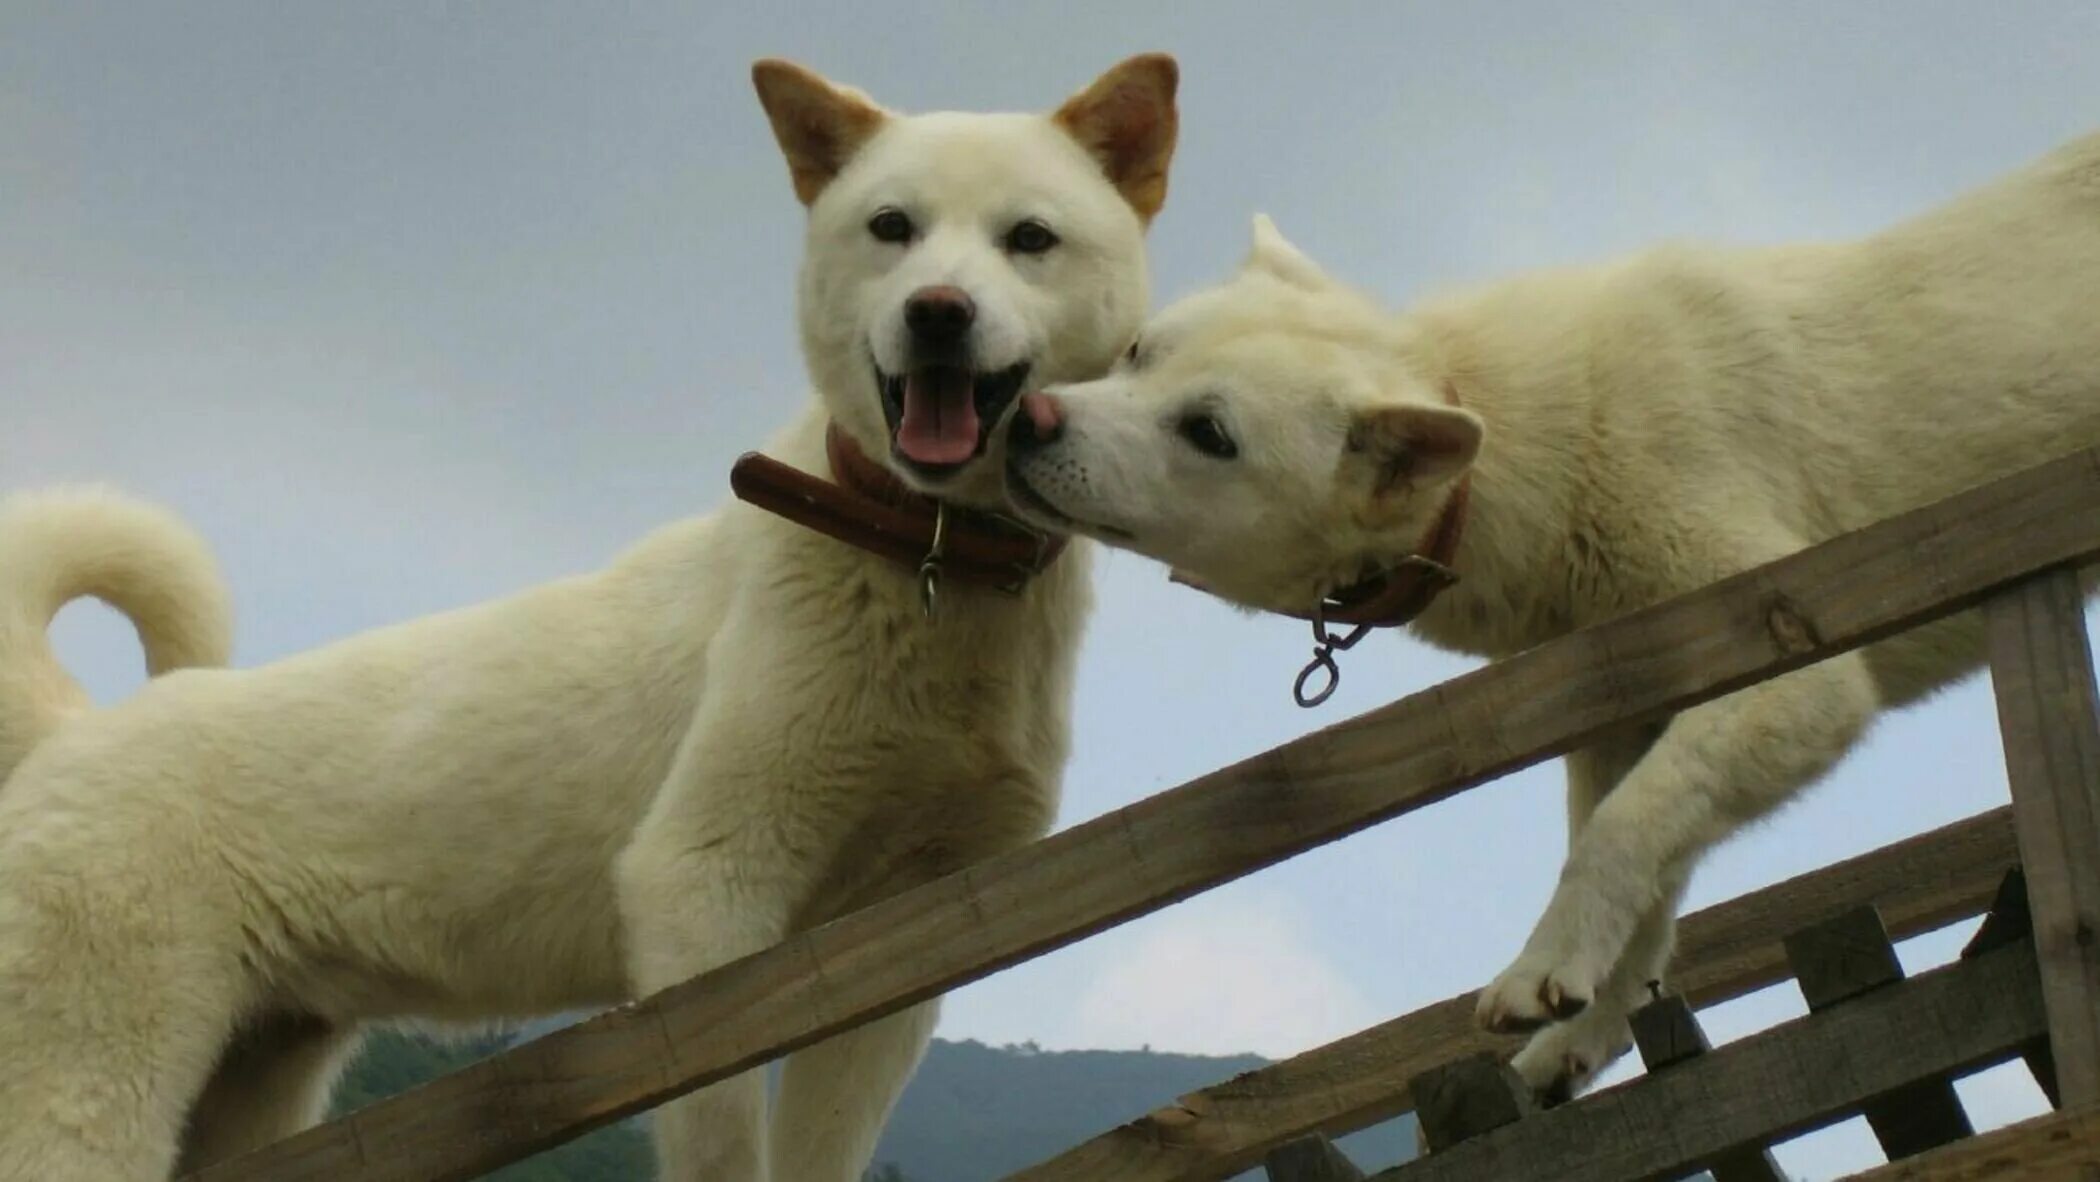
[(865, 505)]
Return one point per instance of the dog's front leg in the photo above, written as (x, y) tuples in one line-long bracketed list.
[(706, 881), (684, 919), (835, 1095), (1560, 1059), (1713, 769)]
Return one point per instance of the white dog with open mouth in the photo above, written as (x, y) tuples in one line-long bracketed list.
[(598, 787), (1627, 432)]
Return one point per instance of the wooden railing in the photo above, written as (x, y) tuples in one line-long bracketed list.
[(1723, 952), (2013, 543), (1872, 1044)]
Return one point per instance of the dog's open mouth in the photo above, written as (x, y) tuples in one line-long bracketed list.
[(941, 415)]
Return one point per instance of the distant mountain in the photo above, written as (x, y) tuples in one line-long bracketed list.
[(973, 1113)]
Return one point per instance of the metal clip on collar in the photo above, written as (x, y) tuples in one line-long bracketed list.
[(930, 566), (1382, 601), (1325, 645)]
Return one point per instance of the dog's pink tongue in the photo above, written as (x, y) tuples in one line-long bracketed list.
[(940, 417)]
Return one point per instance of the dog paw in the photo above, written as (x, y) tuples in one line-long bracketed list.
[(1561, 1060), (1533, 992)]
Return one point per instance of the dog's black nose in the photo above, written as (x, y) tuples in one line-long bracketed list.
[(939, 316), (1038, 423)]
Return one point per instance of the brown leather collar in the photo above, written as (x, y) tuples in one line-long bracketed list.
[(1399, 593), (868, 507), (1396, 595), (1385, 599), (1388, 599)]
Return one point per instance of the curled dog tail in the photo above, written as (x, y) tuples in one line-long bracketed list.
[(63, 544)]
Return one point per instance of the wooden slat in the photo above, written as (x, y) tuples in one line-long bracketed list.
[(1541, 703), (1311, 1159), (1667, 1033), (1467, 1097), (1723, 952), (2058, 1147), (1772, 1085), (2008, 920), (2042, 671), (1841, 959)]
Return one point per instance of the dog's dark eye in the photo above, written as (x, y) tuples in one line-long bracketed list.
[(890, 225), (1131, 355), (1208, 436), (1030, 237)]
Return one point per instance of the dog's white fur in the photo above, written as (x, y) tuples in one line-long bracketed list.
[(584, 792), (1634, 431), (68, 544)]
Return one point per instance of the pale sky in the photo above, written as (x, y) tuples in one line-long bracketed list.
[(407, 306)]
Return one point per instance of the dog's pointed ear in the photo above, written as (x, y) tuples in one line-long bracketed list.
[(1407, 445), (819, 125), (1128, 121), (1274, 254)]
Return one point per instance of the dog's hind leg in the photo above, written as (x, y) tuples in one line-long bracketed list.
[(835, 1096), (273, 1080), (108, 1028)]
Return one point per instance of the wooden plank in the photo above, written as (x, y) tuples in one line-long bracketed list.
[(1846, 957), (1842, 957), (1833, 597), (1723, 952), (2058, 1147), (1311, 1159), (1769, 1086), (2049, 716), (1467, 1097), (2007, 920), (1667, 1033)]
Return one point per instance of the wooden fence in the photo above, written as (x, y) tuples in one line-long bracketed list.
[(1723, 952), (2010, 546), (1872, 1044)]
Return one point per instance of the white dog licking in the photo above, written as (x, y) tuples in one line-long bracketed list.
[(1628, 432)]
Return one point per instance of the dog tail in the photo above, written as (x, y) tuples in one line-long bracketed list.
[(60, 545)]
